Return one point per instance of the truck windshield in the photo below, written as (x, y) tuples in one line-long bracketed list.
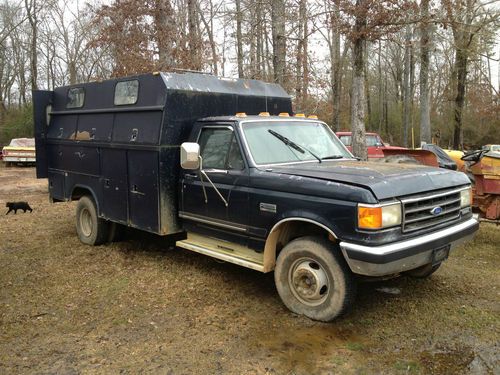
[(267, 148)]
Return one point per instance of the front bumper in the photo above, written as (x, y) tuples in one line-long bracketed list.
[(19, 159), (406, 255)]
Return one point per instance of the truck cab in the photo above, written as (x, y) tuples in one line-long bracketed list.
[(226, 169)]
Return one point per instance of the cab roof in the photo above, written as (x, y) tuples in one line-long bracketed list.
[(236, 118)]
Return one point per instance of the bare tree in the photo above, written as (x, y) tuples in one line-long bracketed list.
[(425, 119), (279, 40), (165, 32), (358, 89), (406, 85), (466, 19), (32, 14)]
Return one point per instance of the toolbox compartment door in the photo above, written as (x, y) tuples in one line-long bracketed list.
[(114, 184), (143, 190)]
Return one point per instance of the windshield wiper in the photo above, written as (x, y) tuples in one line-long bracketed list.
[(292, 144), (333, 157)]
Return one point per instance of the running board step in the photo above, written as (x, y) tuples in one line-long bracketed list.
[(223, 250)]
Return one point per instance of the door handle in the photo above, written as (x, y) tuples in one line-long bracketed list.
[(216, 171), (190, 176)]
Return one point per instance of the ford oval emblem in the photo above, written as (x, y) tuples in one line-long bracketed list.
[(436, 210)]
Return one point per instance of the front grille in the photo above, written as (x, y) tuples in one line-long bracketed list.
[(417, 211)]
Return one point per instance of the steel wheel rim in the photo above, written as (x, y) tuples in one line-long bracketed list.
[(309, 281), (86, 222)]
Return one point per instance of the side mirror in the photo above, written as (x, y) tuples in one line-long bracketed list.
[(190, 155)]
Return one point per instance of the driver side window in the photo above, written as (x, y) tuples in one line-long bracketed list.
[(219, 149)]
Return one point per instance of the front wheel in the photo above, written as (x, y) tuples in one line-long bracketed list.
[(91, 229), (313, 279)]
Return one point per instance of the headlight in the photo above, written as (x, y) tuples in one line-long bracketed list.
[(379, 216), (466, 198)]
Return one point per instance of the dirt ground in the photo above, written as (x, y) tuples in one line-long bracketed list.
[(142, 306)]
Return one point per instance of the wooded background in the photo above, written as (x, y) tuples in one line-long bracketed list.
[(396, 67)]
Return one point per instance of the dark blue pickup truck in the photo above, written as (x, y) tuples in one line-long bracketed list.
[(224, 168)]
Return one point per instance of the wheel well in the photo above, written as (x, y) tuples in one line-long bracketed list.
[(79, 192), (287, 231)]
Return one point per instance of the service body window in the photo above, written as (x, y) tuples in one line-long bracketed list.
[(76, 97), (126, 92)]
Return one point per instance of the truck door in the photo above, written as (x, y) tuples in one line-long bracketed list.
[(222, 161)]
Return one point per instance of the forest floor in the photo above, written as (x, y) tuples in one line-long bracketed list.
[(141, 305)]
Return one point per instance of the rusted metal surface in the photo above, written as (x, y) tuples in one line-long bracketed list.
[(486, 189), (422, 156)]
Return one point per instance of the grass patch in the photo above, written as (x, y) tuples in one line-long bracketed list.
[(134, 306), (354, 346), (408, 367)]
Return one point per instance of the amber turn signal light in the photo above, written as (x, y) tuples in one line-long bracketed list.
[(369, 217)]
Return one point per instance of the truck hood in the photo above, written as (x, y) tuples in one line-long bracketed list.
[(385, 180)]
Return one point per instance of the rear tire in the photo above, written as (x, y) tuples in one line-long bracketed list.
[(313, 279), (91, 229)]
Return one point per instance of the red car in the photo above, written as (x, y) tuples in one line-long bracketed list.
[(374, 144)]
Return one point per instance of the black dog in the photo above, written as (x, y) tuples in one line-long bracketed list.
[(14, 206)]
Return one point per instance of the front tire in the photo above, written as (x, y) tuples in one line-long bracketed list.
[(91, 229), (313, 279)]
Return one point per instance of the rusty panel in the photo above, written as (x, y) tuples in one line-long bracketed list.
[(423, 156)]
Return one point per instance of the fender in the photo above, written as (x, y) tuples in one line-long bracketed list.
[(274, 233), (88, 188)]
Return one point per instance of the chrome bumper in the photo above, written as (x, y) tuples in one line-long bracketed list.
[(405, 255)]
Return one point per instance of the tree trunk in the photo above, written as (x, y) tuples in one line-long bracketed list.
[(72, 73), (279, 40), (239, 37), (194, 45), (406, 86), (209, 27), (299, 55), (302, 71), (358, 91), (165, 33), (305, 60), (260, 68), (335, 67), (386, 108), (367, 87), (32, 15), (461, 77), (380, 89), (425, 117)]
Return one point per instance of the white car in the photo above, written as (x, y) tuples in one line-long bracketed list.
[(20, 150)]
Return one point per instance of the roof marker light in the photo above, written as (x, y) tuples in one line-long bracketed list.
[(265, 114), (241, 114), (284, 114), (300, 115), (314, 117)]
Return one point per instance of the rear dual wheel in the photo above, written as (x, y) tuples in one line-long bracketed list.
[(313, 279), (91, 229)]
